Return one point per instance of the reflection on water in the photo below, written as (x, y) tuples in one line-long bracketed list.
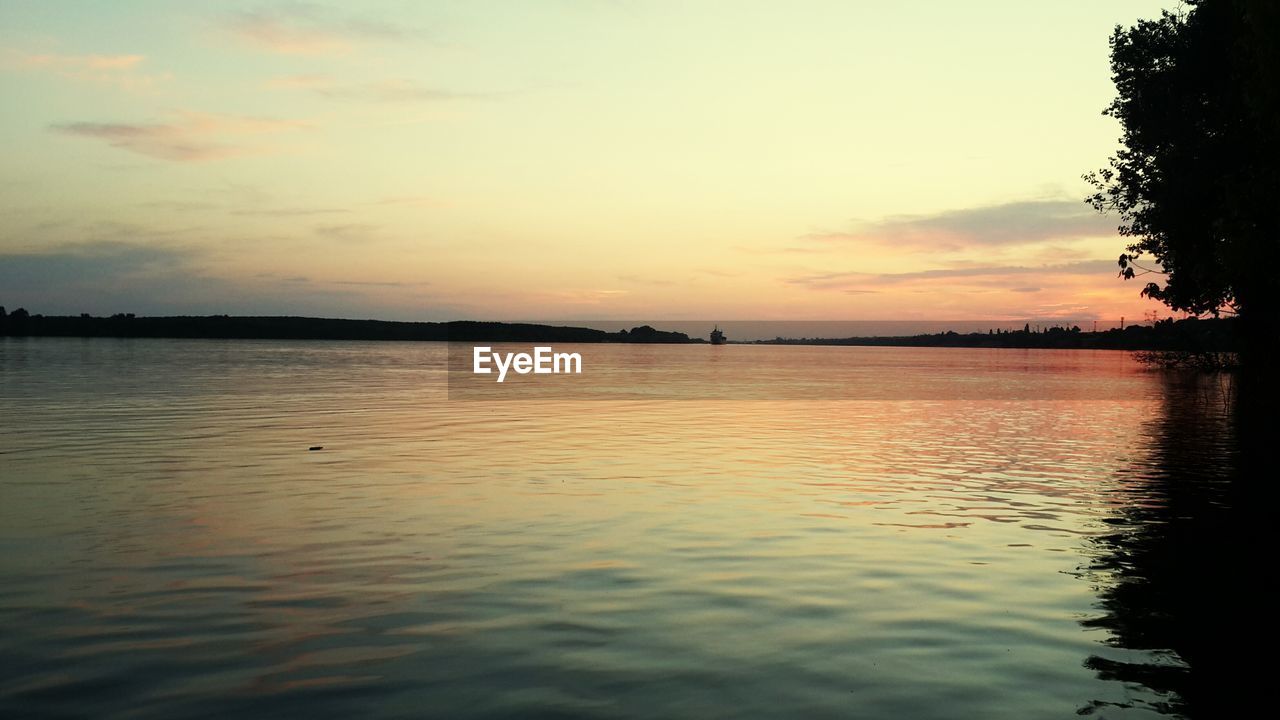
[(170, 548), (1178, 574)]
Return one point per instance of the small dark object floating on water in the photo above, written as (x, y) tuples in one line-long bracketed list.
[(316, 447)]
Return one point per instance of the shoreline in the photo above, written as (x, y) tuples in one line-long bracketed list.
[(1186, 336), (282, 327)]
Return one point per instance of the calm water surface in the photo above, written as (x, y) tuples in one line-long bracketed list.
[(169, 547)]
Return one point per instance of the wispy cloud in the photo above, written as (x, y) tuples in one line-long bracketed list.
[(853, 280), (182, 206), (307, 29), (383, 283), (392, 91), (188, 137), (640, 280), (72, 62), (717, 272), (1015, 223), (119, 71), (307, 81), (578, 297), (348, 232), (107, 276), (415, 200), (397, 90), (110, 276), (290, 212)]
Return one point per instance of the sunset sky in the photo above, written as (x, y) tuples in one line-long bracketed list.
[(560, 159)]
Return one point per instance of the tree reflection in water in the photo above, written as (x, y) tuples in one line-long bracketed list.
[(1179, 571)]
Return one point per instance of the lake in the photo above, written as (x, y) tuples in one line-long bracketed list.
[(687, 532)]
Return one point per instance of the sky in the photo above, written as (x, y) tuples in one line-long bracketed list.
[(560, 159)]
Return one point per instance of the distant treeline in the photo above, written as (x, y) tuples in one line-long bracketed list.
[(126, 325), (1188, 335)]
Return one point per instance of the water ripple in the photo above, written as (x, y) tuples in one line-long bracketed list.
[(172, 549)]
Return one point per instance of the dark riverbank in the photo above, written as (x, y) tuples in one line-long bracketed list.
[(19, 323), (1190, 335)]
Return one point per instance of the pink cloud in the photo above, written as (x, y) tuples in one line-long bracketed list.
[(304, 29), (119, 71), (300, 82), (1007, 275), (188, 137), (76, 62), (1023, 222)]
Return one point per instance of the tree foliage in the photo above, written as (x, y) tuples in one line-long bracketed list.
[(1195, 181)]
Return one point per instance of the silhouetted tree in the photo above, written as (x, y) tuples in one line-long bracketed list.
[(15, 323), (1196, 180)]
